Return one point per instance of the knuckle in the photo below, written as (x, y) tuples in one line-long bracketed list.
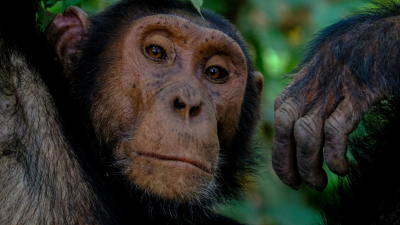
[(306, 128), (280, 158), (304, 169), (284, 167), (307, 168), (336, 134), (335, 143), (283, 120), (309, 163), (278, 165), (304, 164), (282, 97), (333, 125), (282, 137), (279, 101), (287, 112)]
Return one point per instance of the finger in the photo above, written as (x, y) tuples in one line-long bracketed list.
[(283, 147), (284, 95), (308, 132), (340, 124), (280, 100)]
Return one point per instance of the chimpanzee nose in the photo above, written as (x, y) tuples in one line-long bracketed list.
[(187, 108)]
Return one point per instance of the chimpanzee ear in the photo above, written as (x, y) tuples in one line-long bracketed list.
[(259, 83), (64, 33)]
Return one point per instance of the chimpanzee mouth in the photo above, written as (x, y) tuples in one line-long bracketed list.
[(173, 158)]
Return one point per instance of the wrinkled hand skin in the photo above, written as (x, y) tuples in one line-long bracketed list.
[(313, 113), (351, 66)]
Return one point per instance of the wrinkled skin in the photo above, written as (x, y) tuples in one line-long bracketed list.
[(327, 99), (303, 127), (183, 163), (146, 96)]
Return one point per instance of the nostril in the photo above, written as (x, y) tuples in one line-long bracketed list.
[(194, 111), (179, 104)]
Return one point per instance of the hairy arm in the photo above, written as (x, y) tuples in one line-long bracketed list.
[(350, 66), (41, 179)]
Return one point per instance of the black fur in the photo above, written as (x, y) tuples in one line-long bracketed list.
[(239, 158), (368, 44), (114, 200), (40, 199), (369, 193)]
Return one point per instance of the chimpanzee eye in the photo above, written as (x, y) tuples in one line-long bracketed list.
[(156, 52), (216, 73)]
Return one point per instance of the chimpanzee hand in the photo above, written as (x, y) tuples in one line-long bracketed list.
[(305, 123), (350, 66), (309, 115)]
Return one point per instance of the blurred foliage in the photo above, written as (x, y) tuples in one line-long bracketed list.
[(276, 32), (65, 3)]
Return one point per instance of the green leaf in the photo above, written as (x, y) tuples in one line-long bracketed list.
[(66, 3), (45, 17), (197, 4), (50, 3)]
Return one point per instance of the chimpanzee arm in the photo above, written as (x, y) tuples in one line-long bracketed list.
[(350, 66)]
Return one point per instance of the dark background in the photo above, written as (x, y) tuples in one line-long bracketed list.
[(276, 32)]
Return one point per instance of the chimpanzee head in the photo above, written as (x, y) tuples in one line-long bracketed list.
[(170, 95)]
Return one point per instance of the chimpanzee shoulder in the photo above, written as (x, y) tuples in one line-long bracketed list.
[(56, 169)]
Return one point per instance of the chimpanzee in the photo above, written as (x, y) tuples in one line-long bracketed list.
[(142, 114), (351, 66)]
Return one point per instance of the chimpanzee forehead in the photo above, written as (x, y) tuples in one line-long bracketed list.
[(185, 29), (176, 21)]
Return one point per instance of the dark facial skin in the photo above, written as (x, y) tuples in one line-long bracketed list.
[(163, 85), (172, 96)]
